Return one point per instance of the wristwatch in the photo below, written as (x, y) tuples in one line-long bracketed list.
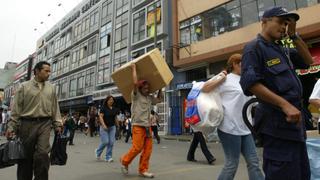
[(295, 36)]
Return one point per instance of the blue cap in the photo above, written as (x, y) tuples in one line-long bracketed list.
[(278, 11)]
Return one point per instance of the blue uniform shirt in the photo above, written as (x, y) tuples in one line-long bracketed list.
[(274, 66)]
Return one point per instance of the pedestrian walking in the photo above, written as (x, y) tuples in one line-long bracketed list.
[(268, 72), (154, 125), (35, 110), (141, 106), (92, 119), (108, 123), (198, 138), (71, 127), (128, 127), (235, 137)]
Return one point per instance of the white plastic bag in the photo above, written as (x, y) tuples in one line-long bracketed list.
[(210, 111)]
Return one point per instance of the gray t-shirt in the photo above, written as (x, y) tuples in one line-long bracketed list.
[(141, 108)]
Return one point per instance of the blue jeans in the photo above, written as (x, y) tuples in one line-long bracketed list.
[(107, 137), (233, 145)]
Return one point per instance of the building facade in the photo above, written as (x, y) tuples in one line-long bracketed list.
[(94, 40), (6, 78), (21, 72), (206, 33)]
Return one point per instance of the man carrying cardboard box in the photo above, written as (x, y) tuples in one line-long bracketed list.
[(141, 107)]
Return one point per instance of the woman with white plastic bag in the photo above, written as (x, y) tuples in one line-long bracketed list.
[(234, 135)]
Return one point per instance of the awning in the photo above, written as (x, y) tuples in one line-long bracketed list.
[(315, 67)]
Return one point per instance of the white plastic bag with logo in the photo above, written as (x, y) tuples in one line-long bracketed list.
[(210, 111)]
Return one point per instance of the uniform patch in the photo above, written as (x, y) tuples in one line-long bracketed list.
[(273, 62)]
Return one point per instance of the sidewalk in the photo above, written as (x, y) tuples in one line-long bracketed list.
[(177, 137)]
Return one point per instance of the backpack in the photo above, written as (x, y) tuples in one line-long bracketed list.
[(192, 115)]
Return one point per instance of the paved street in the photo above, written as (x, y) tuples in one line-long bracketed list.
[(168, 162)]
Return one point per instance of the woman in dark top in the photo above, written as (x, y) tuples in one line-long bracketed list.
[(107, 118)]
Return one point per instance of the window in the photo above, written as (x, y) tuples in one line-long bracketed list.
[(152, 47), (151, 17), (121, 37), (104, 70), (135, 2), (263, 5), (77, 31), (89, 81), (80, 84), (249, 13), (64, 88), (196, 74), (94, 18), (92, 46), (122, 6), (139, 26), (106, 12), (85, 25), (120, 58), (138, 53), (288, 4), (73, 86), (105, 39)]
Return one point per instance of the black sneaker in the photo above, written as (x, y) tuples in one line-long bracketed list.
[(211, 160)]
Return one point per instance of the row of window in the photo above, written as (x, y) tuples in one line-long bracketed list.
[(230, 16), (80, 55), (76, 85)]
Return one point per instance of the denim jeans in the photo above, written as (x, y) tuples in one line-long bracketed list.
[(233, 145), (107, 137)]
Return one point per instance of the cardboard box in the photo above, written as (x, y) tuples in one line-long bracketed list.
[(150, 66)]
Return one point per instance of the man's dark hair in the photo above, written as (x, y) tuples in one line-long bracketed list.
[(39, 66)]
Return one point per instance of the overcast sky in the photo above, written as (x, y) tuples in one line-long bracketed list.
[(18, 21)]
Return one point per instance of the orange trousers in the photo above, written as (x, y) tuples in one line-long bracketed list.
[(140, 142)]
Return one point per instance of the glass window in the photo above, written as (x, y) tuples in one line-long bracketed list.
[(135, 2), (139, 26), (104, 70), (196, 29), (249, 13), (263, 5), (185, 36), (288, 4), (120, 58), (73, 87), (92, 46), (151, 13), (121, 37), (105, 39), (106, 12)]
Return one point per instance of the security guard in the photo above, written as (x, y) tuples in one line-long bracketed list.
[(268, 72)]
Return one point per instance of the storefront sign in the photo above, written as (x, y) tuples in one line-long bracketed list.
[(184, 86), (52, 34), (70, 20), (87, 6)]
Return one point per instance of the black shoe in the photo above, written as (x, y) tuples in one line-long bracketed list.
[(192, 160), (71, 144), (211, 160)]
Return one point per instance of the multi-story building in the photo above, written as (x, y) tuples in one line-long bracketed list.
[(206, 33), (5, 79), (94, 40), (21, 72)]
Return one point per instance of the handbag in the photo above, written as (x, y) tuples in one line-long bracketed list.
[(11, 152), (58, 154)]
